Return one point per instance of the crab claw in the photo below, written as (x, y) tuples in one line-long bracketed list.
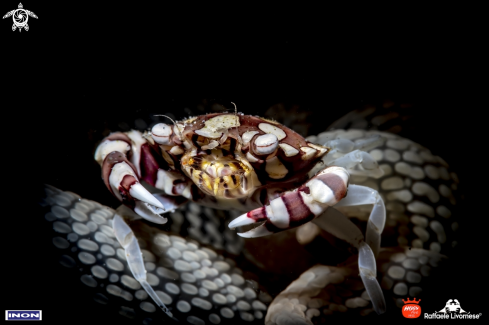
[(146, 211), (260, 231), (137, 191), (299, 206), (285, 212), (121, 178), (253, 216), (145, 204)]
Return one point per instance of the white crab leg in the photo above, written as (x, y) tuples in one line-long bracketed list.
[(368, 273), (348, 154), (362, 158), (359, 195), (340, 226), (128, 241), (369, 143)]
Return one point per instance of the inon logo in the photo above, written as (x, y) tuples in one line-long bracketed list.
[(23, 315), (411, 309)]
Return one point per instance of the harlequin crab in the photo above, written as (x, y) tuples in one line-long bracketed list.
[(236, 161)]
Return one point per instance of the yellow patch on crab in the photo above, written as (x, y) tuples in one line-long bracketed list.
[(206, 180), (216, 186)]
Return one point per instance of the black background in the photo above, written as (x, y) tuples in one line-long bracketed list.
[(83, 68)]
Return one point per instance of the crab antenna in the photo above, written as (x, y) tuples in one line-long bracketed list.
[(176, 126), (236, 115), (235, 109)]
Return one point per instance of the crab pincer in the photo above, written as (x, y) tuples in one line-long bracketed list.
[(294, 208), (122, 175)]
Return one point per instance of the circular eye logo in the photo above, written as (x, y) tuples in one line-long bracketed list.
[(411, 309), (20, 17)]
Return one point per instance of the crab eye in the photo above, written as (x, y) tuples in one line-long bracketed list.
[(266, 144), (161, 133)]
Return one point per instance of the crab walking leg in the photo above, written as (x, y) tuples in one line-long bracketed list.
[(351, 160), (358, 195), (340, 226), (368, 273), (341, 147), (128, 241), (361, 158)]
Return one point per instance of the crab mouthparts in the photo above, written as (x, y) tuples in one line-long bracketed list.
[(218, 175)]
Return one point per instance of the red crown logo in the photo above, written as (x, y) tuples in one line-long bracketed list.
[(411, 301)]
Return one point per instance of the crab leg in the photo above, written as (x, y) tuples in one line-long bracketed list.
[(340, 226), (348, 154), (128, 241), (358, 195)]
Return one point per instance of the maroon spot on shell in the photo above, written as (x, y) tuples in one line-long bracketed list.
[(335, 183), (298, 211)]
